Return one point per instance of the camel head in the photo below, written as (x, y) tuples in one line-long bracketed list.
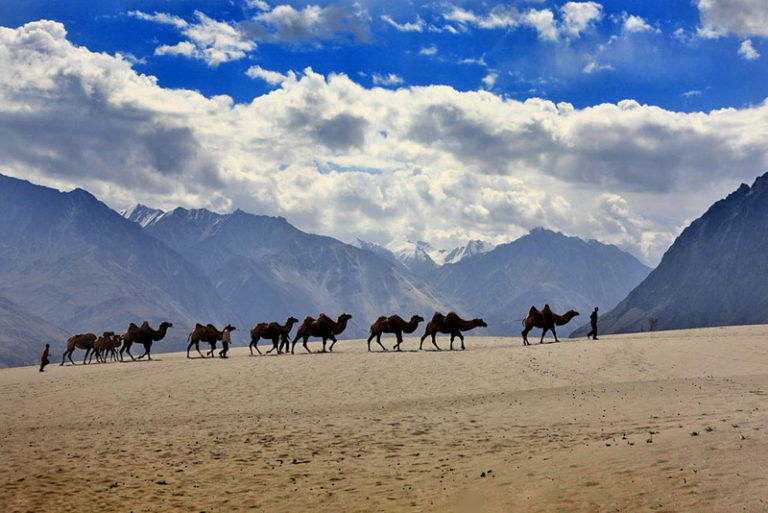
[(417, 318), (108, 334), (344, 317), (571, 313), (292, 319), (481, 323), (229, 327), (166, 325)]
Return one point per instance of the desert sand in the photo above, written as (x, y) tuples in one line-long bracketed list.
[(658, 422)]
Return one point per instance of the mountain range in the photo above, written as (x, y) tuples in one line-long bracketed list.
[(269, 270), (421, 257), (714, 274), (539, 268), (69, 264), (68, 258)]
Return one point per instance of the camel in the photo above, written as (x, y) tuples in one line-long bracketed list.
[(545, 319), (143, 335), (393, 324), (272, 331), (81, 341), (452, 324), (208, 334), (106, 345), (324, 327)]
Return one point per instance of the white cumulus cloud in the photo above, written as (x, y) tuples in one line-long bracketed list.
[(337, 158), (269, 76), (747, 51), (740, 17)]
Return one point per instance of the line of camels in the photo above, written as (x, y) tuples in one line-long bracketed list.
[(112, 346)]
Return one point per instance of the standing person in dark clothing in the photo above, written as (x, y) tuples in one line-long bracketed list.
[(226, 339), (44, 359), (593, 322)]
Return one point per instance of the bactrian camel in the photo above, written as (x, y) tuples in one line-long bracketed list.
[(208, 334), (143, 335), (393, 324), (81, 341), (545, 319), (323, 327), (106, 345), (273, 331), (452, 324)]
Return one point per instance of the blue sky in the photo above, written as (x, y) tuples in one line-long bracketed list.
[(666, 63), (393, 121)]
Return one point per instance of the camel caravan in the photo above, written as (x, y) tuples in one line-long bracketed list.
[(106, 346)]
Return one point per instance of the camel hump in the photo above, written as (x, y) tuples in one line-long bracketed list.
[(546, 308), (145, 324), (533, 311)]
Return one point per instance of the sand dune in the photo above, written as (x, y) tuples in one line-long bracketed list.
[(661, 422)]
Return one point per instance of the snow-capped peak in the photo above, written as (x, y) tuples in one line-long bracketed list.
[(141, 214)]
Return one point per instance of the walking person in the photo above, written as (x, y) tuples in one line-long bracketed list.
[(44, 359), (593, 322), (226, 339)]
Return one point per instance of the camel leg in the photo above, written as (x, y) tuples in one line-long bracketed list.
[(524, 333), (333, 343), (399, 336), (305, 344), (64, 357), (543, 332), (434, 343), (421, 342), (147, 347), (127, 348), (555, 334), (283, 347), (369, 341), (378, 341), (461, 337), (87, 352)]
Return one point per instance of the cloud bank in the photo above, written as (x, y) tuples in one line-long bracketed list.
[(337, 158)]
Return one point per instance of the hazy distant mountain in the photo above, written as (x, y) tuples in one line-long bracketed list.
[(23, 336), (715, 273), (421, 257), (541, 267), (71, 260), (378, 249), (472, 248), (266, 269), (416, 256)]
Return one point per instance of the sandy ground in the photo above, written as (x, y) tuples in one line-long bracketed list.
[(662, 422)]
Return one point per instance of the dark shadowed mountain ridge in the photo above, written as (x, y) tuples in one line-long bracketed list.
[(70, 259), (715, 273)]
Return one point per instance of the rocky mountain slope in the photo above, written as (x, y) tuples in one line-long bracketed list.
[(70, 259), (715, 273), (266, 269)]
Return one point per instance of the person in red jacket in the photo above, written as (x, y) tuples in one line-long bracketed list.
[(44, 359)]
